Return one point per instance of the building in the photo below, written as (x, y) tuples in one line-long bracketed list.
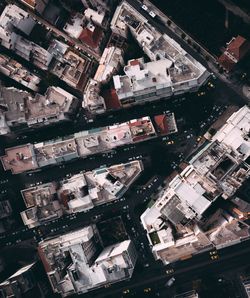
[(19, 109), (125, 14), (151, 81), (76, 262), (32, 52), (236, 50), (95, 16), (246, 285), (12, 19), (165, 124), (70, 67), (22, 284), (17, 72), (218, 169), (92, 100), (82, 144), (109, 64), (85, 191), (172, 70), (78, 193), (37, 5), (59, 58), (99, 5), (42, 204), (86, 29), (75, 25), (240, 208), (92, 35)]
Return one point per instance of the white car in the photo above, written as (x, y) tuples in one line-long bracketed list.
[(152, 14), (170, 282), (144, 7)]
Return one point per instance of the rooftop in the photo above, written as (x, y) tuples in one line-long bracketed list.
[(91, 35), (75, 24), (236, 50), (72, 268), (11, 16), (20, 107), (80, 192), (38, 5), (96, 17), (171, 65), (18, 72), (218, 169), (69, 66), (110, 61), (14, 17), (165, 123), (19, 159), (80, 144)]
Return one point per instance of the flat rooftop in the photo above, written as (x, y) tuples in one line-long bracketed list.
[(140, 76), (80, 144), (49, 152), (19, 159)]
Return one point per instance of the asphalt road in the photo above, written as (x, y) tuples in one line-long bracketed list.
[(148, 271), (185, 271)]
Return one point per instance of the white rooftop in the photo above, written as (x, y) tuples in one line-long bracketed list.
[(140, 76), (81, 274)]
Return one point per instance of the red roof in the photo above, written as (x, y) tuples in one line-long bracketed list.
[(161, 124), (111, 99), (134, 62), (238, 47), (43, 258), (226, 62), (64, 198), (91, 38)]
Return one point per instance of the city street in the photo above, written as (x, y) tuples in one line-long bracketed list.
[(194, 114)]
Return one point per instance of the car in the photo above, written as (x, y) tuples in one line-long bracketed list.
[(170, 282), (147, 290), (126, 291), (107, 285), (144, 7), (214, 252), (213, 76), (215, 257), (146, 265), (169, 271), (152, 14), (210, 85)]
